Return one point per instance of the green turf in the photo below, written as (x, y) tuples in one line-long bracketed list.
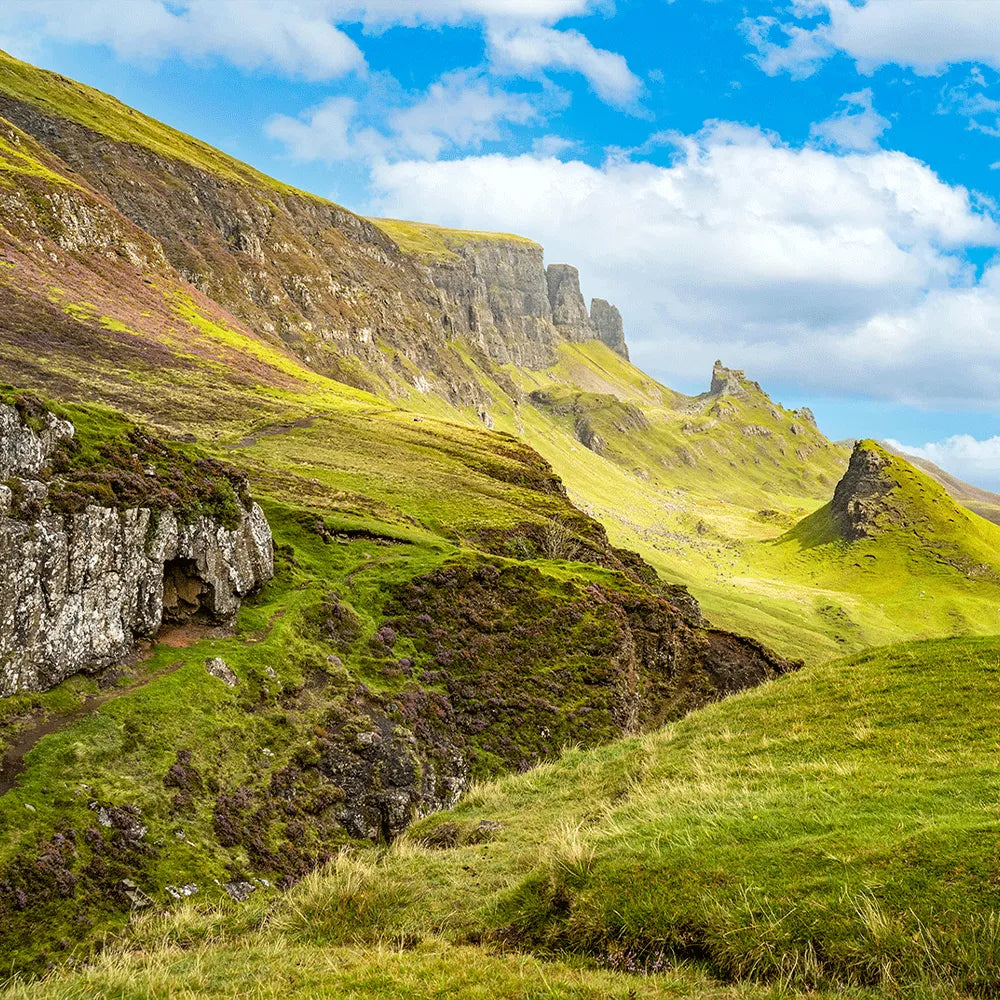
[(834, 830), (437, 243)]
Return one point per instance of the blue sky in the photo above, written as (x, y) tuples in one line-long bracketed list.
[(805, 190)]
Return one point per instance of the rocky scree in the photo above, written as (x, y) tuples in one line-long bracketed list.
[(98, 556)]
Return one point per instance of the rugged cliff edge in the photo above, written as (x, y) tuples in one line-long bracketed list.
[(496, 291), (80, 586)]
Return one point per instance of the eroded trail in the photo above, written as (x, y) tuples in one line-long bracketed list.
[(12, 764)]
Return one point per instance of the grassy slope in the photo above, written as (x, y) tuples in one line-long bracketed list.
[(52, 93), (928, 569), (437, 242), (834, 829), (715, 509), (688, 492), (398, 494)]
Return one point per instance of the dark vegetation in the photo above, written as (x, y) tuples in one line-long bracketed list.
[(111, 462)]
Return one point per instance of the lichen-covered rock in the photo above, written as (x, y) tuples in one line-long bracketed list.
[(78, 589), (220, 670), (26, 450)]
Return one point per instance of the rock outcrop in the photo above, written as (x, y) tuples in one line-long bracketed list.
[(859, 497), (79, 589), (499, 294), (569, 311), (607, 322), (729, 381), (494, 293)]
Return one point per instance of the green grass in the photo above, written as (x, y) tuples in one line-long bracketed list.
[(19, 155), (437, 243), (838, 829), (54, 94), (269, 966)]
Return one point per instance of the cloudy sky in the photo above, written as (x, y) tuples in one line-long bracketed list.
[(806, 190)]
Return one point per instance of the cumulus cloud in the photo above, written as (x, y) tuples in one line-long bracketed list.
[(842, 273), (857, 127), (305, 37), (962, 455), (529, 49), (460, 111), (926, 37), (294, 38)]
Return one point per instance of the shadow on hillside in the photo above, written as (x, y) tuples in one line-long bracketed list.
[(813, 530)]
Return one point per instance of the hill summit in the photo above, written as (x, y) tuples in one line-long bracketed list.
[(881, 492)]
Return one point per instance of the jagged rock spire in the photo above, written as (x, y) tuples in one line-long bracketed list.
[(607, 321)]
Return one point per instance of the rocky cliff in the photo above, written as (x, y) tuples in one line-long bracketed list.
[(860, 495), (316, 279), (500, 295), (80, 587), (607, 321)]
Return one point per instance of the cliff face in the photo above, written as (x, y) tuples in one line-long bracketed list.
[(494, 293), (858, 498), (311, 276), (607, 321), (80, 588), (501, 297)]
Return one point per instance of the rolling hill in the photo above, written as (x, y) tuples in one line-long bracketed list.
[(493, 537)]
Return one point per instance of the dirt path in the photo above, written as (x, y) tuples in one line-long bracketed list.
[(252, 439), (178, 637)]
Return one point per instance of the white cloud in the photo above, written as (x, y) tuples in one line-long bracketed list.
[(801, 54), (414, 12), (963, 456), (529, 49), (927, 36), (291, 37), (321, 133), (857, 127), (460, 111), (970, 100), (552, 146), (295, 37), (842, 273)]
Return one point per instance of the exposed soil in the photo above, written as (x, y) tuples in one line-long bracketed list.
[(175, 636), (252, 439)]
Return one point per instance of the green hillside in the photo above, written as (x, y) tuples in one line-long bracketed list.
[(833, 830), (534, 590)]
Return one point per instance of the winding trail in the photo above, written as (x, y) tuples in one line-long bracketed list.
[(274, 429), (13, 763)]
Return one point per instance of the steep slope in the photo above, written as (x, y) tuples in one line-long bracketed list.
[(893, 555), (812, 835), (979, 501), (440, 610)]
